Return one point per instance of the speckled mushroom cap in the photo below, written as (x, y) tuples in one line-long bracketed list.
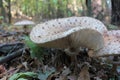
[(56, 33), (114, 33), (112, 44), (24, 22)]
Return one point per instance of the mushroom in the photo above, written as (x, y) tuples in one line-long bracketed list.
[(112, 44), (24, 23), (70, 33)]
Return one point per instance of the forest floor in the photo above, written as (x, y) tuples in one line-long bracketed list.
[(52, 64)]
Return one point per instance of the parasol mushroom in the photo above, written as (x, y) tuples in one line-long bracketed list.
[(112, 44), (24, 23), (70, 33)]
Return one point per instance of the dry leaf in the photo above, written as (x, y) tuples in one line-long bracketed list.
[(2, 71), (4, 78), (84, 74), (72, 77)]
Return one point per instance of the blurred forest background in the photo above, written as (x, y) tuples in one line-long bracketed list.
[(108, 11), (18, 53)]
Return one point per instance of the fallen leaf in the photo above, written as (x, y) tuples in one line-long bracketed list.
[(84, 74), (72, 77), (2, 71)]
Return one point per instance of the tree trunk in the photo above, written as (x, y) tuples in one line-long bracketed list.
[(59, 11), (115, 17), (89, 7), (2, 11), (9, 13)]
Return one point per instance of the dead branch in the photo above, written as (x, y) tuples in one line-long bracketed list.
[(7, 47), (12, 56)]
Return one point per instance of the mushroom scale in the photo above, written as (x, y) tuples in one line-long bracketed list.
[(114, 33), (55, 33)]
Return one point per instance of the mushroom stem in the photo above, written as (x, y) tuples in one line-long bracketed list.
[(72, 52), (75, 62), (25, 29)]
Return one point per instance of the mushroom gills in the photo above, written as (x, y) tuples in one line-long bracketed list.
[(87, 38)]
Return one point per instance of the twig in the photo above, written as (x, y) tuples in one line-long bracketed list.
[(7, 47), (7, 34), (10, 44), (12, 56)]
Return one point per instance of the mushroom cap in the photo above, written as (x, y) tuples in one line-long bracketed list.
[(114, 33), (24, 22), (112, 44), (56, 33)]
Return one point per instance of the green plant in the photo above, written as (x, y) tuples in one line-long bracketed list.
[(35, 50), (1, 17), (112, 27), (24, 76)]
